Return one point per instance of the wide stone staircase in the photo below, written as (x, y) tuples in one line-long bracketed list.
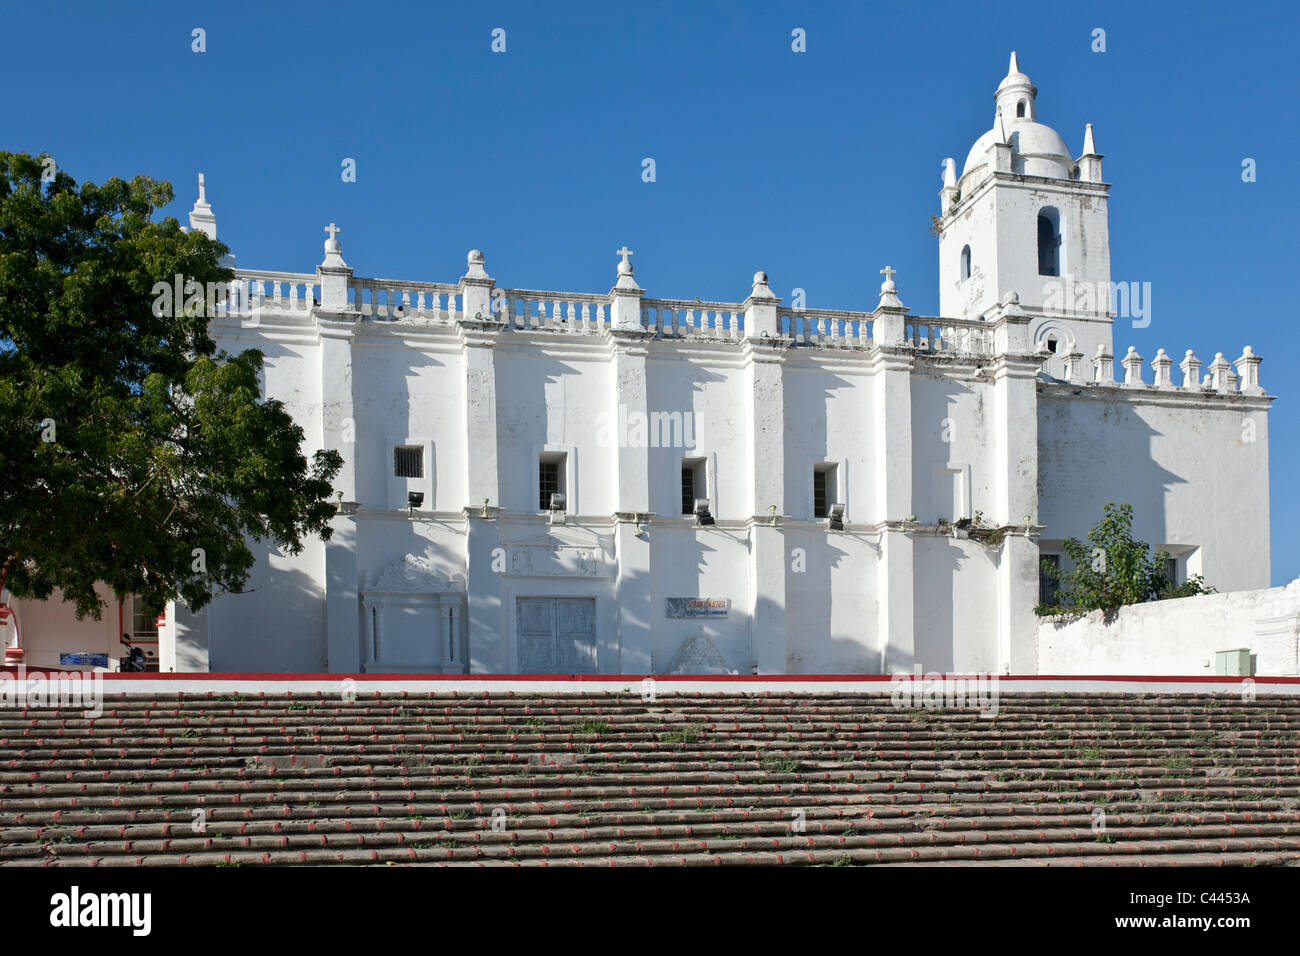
[(682, 780)]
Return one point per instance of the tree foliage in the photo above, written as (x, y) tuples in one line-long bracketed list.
[(132, 452), (1112, 570)]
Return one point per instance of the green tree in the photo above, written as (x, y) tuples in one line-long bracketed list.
[(1113, 569), (132, 452)]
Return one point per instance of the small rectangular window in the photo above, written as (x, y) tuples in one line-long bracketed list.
[(693, 483), (144, 621), (408, 461), (1171, 571), (1048, 586), (824, 489), (548, 482)]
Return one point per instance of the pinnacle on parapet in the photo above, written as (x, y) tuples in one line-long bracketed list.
[(201, 216), (474, 265), (889, 289), (1089, 147), (333, 249), (625, 280)]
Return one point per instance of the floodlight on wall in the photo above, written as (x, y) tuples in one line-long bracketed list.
[(413, 500), (835, 518), (702, 515)]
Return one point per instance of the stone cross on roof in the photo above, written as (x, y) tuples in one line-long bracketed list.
[(334, 251), (888, 290), (625, 281)]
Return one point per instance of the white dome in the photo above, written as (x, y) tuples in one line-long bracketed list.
[(1036, 150)]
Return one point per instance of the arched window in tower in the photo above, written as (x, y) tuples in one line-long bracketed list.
[(965, 263), (1049, 242), (1020, 109)]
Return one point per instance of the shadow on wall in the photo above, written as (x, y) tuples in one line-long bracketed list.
[(939, 437), (813, 646), (277, 624), (808, 425), (936, 634), (1094, 452), (523, 420), (381, 424)]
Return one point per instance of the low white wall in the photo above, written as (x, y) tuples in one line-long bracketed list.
[(1180, 636)]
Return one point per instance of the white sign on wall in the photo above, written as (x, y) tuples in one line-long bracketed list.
[(681, 607)]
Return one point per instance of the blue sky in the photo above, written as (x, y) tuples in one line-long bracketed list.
[(818, 167)]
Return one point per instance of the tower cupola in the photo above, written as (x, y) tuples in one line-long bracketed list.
[(1015, 95)]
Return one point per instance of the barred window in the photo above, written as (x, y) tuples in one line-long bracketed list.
[(548, 482), (408, 461), (825, 490)]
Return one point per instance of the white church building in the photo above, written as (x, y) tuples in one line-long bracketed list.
[(610, 482)]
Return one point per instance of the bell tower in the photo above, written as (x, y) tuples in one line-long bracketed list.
[(1025, 217)]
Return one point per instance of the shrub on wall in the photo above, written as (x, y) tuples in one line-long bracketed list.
[(1113, 569)]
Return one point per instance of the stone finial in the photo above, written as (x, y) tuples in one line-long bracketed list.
[(948, 194), (1010, 325), (625, 297), (1220, 373), (333, 250), (332, 245), (1090, 160), (761, 319), (1103, 366), (889, 290), (1162, 363), (334, 274), (625, 280), (476, 291), (201, 216), (474, 265), (1015, 65), (1248, 371), (1132, 363), (1073, 362), (1089, 147), (624, 265), (1191, 368)]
